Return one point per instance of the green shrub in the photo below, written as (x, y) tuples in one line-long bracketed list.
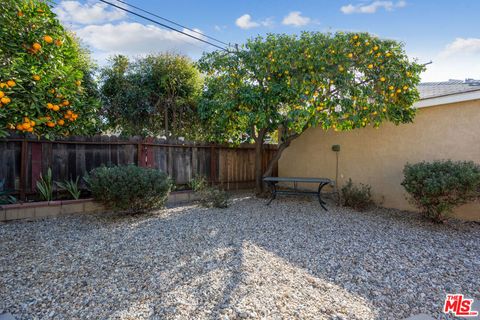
[(437, 187), (198, 183), (129, 188), (214, 197), (358, 197), (71, 186), (45, 186)]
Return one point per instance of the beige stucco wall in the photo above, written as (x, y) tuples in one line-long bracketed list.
[(377, 156)]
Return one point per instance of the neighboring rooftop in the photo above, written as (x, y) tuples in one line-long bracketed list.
[(438, 89)]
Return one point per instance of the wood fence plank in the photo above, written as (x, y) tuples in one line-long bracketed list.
[(76, 156)]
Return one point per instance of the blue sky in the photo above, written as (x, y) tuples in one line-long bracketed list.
[(446, 32)]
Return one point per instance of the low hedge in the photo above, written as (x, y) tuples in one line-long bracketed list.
[(437, 187), (129, 188)]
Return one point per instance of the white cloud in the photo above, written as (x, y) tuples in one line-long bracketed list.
[(296, 19), (131, 38), (457, 60), (372, 7), (462, 46), (246, 22), (74, 12)]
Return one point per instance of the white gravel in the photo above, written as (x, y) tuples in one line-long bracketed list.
[(284, 261)]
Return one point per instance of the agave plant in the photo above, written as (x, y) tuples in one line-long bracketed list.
[(45, 186), (71, 186), (5, 197)]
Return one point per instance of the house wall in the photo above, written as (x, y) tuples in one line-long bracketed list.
[(377, 156)]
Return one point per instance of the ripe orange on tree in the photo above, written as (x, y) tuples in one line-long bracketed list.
[(5, 100), (48, 39)]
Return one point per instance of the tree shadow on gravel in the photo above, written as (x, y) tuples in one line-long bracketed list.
[(191, 262)]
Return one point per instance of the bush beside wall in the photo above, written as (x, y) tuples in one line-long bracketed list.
[(437, 187), (356, 196)]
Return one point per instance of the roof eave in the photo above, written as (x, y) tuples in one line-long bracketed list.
[(447, 99)]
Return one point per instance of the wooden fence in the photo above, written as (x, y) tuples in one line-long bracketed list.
[(23, 160)]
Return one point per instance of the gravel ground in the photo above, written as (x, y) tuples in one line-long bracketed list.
[(288, 260)]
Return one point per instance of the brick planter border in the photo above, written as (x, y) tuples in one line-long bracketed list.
[(36, 210)]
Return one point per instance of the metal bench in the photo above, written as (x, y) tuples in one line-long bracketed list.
[(322, 182)]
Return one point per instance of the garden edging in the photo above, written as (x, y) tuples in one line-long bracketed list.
[(36, 210)]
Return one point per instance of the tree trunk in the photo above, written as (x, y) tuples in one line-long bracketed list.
[(258, 167), (284, 145), (258, 162), (166, 120), (174, 124)]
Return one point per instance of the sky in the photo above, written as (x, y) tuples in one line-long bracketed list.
[(442, 31)]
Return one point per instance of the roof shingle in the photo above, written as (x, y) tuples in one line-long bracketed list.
[(438, 89)]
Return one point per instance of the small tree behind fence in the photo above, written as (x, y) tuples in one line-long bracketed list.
[(23, 160)]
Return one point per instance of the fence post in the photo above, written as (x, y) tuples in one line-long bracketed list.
[(150, 163), (194, 159), (23, 169), (36, 163), (140, 161), (213, 165)]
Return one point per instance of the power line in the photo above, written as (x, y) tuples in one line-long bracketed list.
[(172, 22), (164, 25)]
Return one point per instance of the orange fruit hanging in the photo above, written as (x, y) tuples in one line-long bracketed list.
[(5, 100), (48, 39)]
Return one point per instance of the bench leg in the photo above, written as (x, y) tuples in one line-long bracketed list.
[(322, 203), (273, 189)]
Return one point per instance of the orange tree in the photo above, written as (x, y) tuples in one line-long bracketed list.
[(152, 95), (342, 81), (45, 81)]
